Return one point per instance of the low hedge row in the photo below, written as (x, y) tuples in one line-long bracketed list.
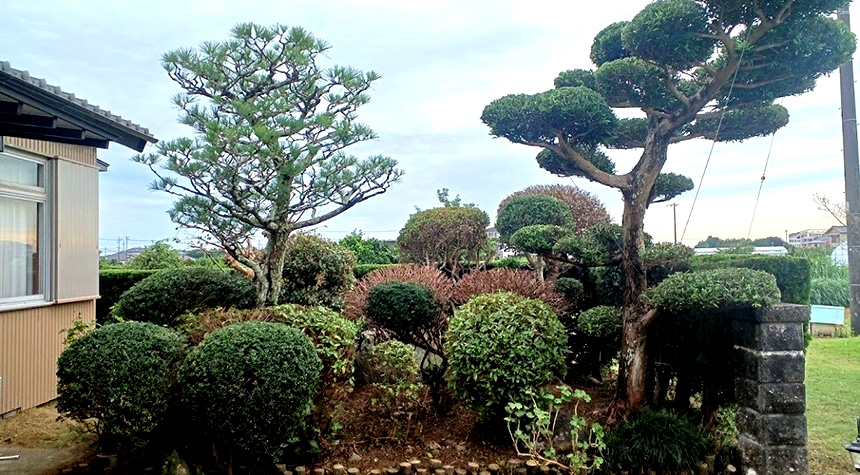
[(793, 275)]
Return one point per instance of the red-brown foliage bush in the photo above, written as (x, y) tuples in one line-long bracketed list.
[(520, 282), (586, 209), (356, 299)]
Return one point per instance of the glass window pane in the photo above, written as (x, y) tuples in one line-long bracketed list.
[(22, 172), (19, 248)]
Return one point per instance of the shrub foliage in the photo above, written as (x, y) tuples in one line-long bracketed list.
[(356, 299), (793, 274), (166, 295), (501, 348), (249, 386), (122, 376), (718, 289), (112, 284), (586, 209), (657, 441), (445, 236), (409, 311), (316, 272), (520, 282), (528, 210)]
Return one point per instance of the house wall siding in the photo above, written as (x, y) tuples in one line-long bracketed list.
[(31, 340), (77, 226), (74, 153)]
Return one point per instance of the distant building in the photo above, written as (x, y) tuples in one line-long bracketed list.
[(840, 254), (501, 249), (834, 236), (806, 238), (764, 250), (124, 256)]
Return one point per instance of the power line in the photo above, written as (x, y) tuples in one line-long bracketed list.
[(761, 183), (714, 143)]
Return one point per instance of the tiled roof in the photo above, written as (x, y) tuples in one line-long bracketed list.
[(76, 103)]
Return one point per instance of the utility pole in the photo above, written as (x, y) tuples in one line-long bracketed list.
[(852, 178), (675, 220)]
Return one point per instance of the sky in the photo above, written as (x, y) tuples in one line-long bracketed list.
[(441, 62)]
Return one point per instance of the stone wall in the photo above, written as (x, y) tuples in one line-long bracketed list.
[(769, 388)]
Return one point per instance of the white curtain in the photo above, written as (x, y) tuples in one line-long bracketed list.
[(22, 172), (19, 248)]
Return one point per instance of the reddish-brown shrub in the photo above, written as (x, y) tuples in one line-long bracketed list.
[(520, 282), (586, 209), (356, 299)]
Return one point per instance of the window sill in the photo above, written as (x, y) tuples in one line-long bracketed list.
[(11, 306)]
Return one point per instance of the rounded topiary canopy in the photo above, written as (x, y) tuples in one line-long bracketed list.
[(670, 32), (405, 308), (121, 374), (501, 348), (251, 383), (585, 207), (316, 272), (528, 210), (607, 44)]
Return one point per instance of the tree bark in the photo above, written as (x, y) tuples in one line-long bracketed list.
[(272, 270), (631, 393)]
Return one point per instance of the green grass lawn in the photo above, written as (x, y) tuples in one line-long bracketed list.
[(832, 402)]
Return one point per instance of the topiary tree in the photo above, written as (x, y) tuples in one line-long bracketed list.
[(249, 386), (163, 297), (269, 154), (357, 298), (708, 69), (119, 381), (594, 340), (520, 282), (410, 312), (445, 236), (501, 348), (518, 212), (369, 251), (316, 272)]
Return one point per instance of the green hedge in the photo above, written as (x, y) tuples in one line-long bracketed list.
[(792, 274), (112, 284)]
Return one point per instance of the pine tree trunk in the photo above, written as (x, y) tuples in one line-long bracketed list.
[(273, 270), (632, 393)]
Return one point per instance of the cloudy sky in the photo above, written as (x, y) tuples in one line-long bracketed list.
[(441, 62)]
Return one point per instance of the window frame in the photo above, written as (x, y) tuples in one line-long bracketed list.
[(44, 197)]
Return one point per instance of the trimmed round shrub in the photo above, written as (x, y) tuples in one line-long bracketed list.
[(168, 294), (670, 32), (601, 322), (249, 385), (316, 272), (394, 362), (356, 299), (593, 341), (569, 288), (539, 238), (520, 282), (502, 347), (404, 308), (585, 208), (334, 338), (121, 375), (718, 289), (527, 210), (656, 441)]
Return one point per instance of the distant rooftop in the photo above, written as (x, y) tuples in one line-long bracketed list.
[(31, 108)]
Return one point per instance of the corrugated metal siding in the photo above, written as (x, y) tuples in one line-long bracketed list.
[(76, 153), (30, 343), (77, 226)]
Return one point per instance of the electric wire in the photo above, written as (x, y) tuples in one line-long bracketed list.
[(713, 144), (761, 183)]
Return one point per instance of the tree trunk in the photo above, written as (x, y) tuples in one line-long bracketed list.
[(631, 393), (272, 270)]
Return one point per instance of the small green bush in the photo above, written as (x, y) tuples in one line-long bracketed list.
[(594, 340), (165, 296), (112, 284), (334, 338), (793, 274), (316, 272), (510, 262), (249, 386), (396, 370), (406, 309), (718, 289), (121, 375), (659, 441), (502, 347), (571, 289)]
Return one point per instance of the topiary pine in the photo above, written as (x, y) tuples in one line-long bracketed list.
[(688, 66)]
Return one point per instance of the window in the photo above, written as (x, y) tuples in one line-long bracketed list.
[(23, 230)]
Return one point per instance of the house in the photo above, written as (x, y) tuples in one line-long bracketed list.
[(833, 236), (125, 255), (805, 238), (49, 181)]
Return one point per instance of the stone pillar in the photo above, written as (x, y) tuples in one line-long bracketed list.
[(769, 374)]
